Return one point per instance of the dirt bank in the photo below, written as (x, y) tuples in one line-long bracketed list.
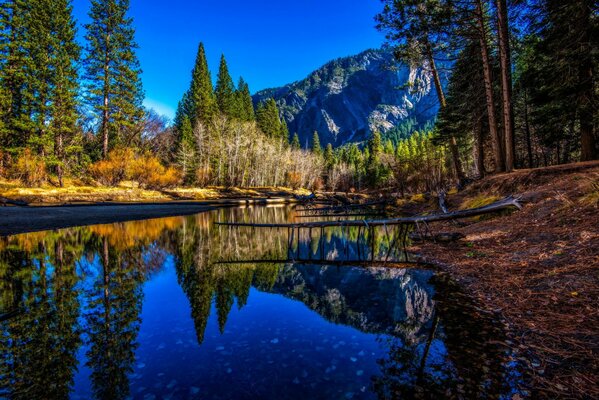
[(538, 269), (14, 220)]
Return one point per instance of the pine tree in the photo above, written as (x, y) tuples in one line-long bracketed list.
[(225, 90), (420, 30), (267, 116), (295, 143), (244, 101), (201, 105), (16, 93), (284, 133), (316, 147), (329, 157), (65, 85), (113, 72)]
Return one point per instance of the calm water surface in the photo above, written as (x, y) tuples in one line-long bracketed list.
[(179, 308)]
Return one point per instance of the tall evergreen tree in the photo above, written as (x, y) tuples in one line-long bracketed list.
[(200, 102), (295, 142), (244, 101), (316, 147), (420, 30), (284, 134), (16, 88), (225, 90), (64, 81), (115, 92), (267, 116)]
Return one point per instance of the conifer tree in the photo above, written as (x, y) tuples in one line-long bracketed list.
[(284, 134), (244, 101), (329, 157), (225, 90), (201, 101), (15, 93), (295, 142), (115, 92), (267, 116), (65, 85), (316, 147)]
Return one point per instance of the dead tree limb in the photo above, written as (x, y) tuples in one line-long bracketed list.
[(505, 204)]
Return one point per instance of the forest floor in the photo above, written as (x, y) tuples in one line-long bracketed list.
[(537, 269)]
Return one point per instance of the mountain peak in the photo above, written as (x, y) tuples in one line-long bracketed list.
[(348, 98)]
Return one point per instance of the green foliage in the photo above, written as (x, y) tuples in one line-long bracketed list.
[(295, 143), (225, 91), (244, 102), (267, 117), (316, 147), (113, 74)]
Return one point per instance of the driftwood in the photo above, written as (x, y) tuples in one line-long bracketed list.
[(344, 207), (339, 215), (501, 205)]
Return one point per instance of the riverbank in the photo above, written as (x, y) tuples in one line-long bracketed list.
[(77, 193), (15, 220), (537, 269)]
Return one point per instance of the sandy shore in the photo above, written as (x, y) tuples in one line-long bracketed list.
[(15, 220)]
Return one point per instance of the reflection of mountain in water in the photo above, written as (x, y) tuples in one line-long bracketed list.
[(374, 300)]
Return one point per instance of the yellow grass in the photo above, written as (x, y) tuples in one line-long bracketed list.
[(75, 191)]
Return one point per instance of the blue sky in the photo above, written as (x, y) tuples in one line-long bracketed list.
[(270, 43)]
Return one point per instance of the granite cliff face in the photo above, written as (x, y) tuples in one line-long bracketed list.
[(349, 98)]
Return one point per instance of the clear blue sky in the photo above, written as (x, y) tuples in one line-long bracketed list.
[(269, 43)]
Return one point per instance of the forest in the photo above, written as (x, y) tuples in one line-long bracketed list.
[(515, 82)]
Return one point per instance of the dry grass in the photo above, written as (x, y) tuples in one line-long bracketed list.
[(128, 191)]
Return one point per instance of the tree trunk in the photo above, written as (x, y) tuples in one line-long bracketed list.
[(58, 150), (506, 83), (453, 144), (479, 152), (106, 100), (488, 77), (527, 131), (586, 104)]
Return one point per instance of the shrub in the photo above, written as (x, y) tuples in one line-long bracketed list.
[(30, 169), (151, 174), (293, 179), (168, 178), (115, 168)]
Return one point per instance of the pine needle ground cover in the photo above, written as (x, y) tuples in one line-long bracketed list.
[(538, 270)]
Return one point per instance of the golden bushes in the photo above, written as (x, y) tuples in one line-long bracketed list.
[(30, 169), (146, 170), (113, 170)]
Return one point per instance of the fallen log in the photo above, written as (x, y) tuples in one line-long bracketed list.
[(343, 208), (507, 203)]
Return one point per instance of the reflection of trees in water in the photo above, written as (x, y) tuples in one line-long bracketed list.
[(40, 341), (46, 277), (463, 357), (200, 244), (114, 301)]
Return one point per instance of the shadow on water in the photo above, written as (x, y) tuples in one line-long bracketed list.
[(71, 310)]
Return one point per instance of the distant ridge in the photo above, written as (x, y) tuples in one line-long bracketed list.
[(348, 98)]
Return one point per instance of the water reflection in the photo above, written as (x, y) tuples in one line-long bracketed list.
[(71, 303)]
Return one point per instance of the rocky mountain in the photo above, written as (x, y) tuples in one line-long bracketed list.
[(349, 98)]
